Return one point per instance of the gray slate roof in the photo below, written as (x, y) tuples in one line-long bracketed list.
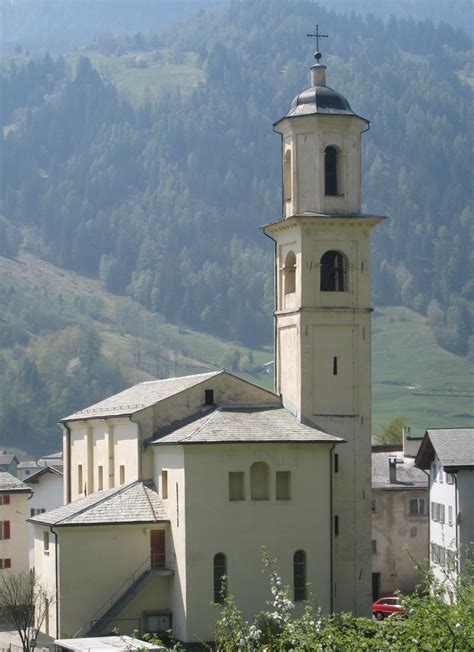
[(453, 446), (408, 476), (236, 424), (140, 396), (137, 502), (6, 458), (10, 484), (34, 477)]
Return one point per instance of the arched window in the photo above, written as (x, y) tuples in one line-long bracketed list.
[(259, 481), (289, 273), (287, 176), (220, 578), (333, 272), (330, 171), (299, 575)]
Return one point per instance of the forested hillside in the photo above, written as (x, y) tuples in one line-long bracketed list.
[(158, 192), (162, 200)]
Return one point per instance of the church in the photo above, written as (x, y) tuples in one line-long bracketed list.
[(173, 487)]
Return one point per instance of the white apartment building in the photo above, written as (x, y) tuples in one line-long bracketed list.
[(14, 496), (448, 455)]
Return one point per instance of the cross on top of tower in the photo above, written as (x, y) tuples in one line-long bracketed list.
[(317, 36)]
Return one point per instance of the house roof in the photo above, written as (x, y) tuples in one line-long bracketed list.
[(237, 424), (140, 396), (34, 477), (408, 476), (453, 446), (10, 484), (7, 458), (137, 502), (31, 464)]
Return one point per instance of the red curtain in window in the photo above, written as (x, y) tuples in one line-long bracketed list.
[(5, 500), (6, 529)]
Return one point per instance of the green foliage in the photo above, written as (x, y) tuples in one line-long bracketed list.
[(429, 621), (392, 432)]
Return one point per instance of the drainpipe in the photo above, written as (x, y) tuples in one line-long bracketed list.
[(275, 376), (68, 462), (429, 511), (458, 553), (331, 525), (56, 572)]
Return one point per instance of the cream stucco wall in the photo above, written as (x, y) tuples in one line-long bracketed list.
[(240, 529), (307, 138), (171, 459), (94, 563), (16, 547), (394, 530), (113, 442), (45, 569), (47, 494)]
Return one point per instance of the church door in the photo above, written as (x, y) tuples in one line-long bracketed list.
[(157, 548)]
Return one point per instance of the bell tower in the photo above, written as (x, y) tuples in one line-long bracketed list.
[(323, 312)]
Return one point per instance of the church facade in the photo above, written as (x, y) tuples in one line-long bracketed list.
[(173, 485)]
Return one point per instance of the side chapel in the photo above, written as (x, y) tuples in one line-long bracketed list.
[(173, 484)]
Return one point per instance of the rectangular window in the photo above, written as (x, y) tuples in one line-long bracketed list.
[(100, 478), (334, 366), (374, 546), (417, 506), (441, 513), (336, 526), (45, 541), (34, 511), (4, 529), (122, 474), (283, 480), (336, 464), (236, 485), (208, 397), (4, 499), (451, 559), (374, 505), (80, 487), (5, 563), (164, 484), (441, 555)]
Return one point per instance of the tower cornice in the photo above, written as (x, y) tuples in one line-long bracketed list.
[(307, 218)]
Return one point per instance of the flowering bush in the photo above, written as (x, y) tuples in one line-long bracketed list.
[(429, 621)]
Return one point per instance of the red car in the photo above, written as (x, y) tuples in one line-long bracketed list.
[(384, 607)]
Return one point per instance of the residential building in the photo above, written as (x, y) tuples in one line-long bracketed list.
[(8, 462), (25, 469), (172, 485), (47, 494), (14, 496), (448, 456), (399, 521)]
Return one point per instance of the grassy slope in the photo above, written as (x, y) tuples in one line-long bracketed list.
[(141, 82), (411, 374), (431, 387)]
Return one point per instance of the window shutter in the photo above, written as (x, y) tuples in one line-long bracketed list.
[(6, 529), (6, 500), (7, 563)]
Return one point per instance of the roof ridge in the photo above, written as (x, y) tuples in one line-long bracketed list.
[(161, 380), (119, 491), (145, 491), (203, 424)]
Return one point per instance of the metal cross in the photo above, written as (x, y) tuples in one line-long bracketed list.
[(317, 36)]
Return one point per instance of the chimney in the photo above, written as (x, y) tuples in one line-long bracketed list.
[(410, 444), (392, 469), (318, 75)]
